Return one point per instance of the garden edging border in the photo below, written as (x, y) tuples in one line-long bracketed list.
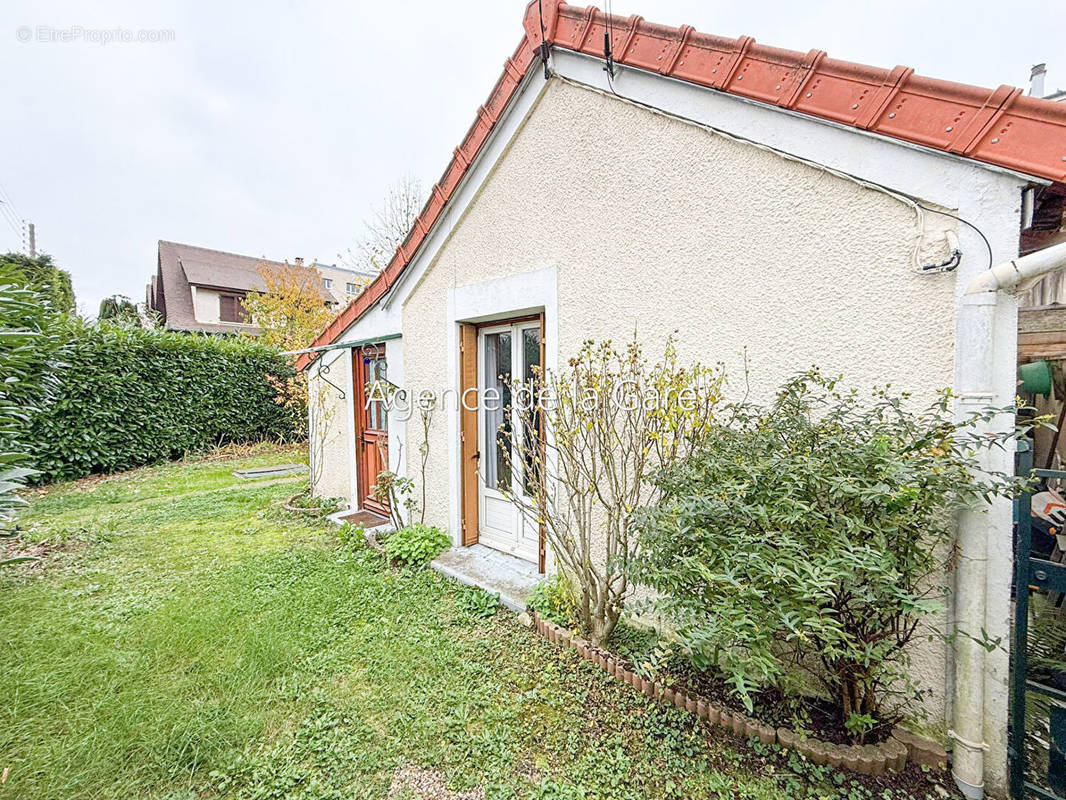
[(872, 759)]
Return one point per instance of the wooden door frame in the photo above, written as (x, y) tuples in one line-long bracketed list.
[(363, 479)]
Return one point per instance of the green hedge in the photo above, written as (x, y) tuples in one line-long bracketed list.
[(28, 349), (128, 397)]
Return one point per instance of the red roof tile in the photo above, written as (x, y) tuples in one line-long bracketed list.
[(1003, 127)]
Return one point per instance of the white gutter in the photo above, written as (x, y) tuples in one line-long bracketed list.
[(977, 334)]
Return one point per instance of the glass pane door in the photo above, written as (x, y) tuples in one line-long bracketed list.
[(496, 402), (377, 412), (508, 353), (528, 417)]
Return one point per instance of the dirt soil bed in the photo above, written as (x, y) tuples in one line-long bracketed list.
[(773, 708)]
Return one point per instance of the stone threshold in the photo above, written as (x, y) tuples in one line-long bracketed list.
[(497, 573)]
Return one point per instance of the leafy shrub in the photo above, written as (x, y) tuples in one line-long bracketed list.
[(416, 544), (38, 274), (351, 535), (395, 492), (128, 397), (553, 598), (27, 352), (479, 603), (806, 537)]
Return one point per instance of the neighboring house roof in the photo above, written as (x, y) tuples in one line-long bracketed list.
[(1003, 127), (341, 276), (182, 266), (342, 272), (224, 275)]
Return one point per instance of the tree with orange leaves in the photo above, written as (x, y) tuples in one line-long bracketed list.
[(291, 311)]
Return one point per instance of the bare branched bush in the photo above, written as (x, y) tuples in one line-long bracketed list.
[(587, 447)]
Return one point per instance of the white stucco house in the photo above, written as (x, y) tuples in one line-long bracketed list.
[(789, 206)]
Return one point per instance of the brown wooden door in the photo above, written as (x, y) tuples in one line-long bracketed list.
[(468, 430), (371, 425)]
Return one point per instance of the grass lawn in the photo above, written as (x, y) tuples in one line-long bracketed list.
[(188, 638)]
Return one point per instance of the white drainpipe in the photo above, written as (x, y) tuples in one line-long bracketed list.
[(977, 335), (1021, 273)]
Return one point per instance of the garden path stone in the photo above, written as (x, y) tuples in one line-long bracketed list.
[(275, 471)]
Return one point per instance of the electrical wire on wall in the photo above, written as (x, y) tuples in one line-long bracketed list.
[(545, 49), (954, 256), (608, 44)]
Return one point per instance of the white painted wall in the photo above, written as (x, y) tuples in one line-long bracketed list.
[(207, 306), (400, 430), (330, 403)]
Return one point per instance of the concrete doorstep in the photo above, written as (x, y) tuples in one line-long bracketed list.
[(497, 573)]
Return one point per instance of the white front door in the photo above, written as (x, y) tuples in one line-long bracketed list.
[(506, 353)]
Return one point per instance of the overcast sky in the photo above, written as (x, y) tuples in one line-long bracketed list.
[(272, 128)]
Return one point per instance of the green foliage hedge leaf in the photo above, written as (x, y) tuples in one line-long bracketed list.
[(28, 348), (125, 397)]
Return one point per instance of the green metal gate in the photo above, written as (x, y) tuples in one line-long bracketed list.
[(1038, 670)]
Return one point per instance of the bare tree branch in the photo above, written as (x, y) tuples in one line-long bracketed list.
[(388, 226), (611, 421)]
